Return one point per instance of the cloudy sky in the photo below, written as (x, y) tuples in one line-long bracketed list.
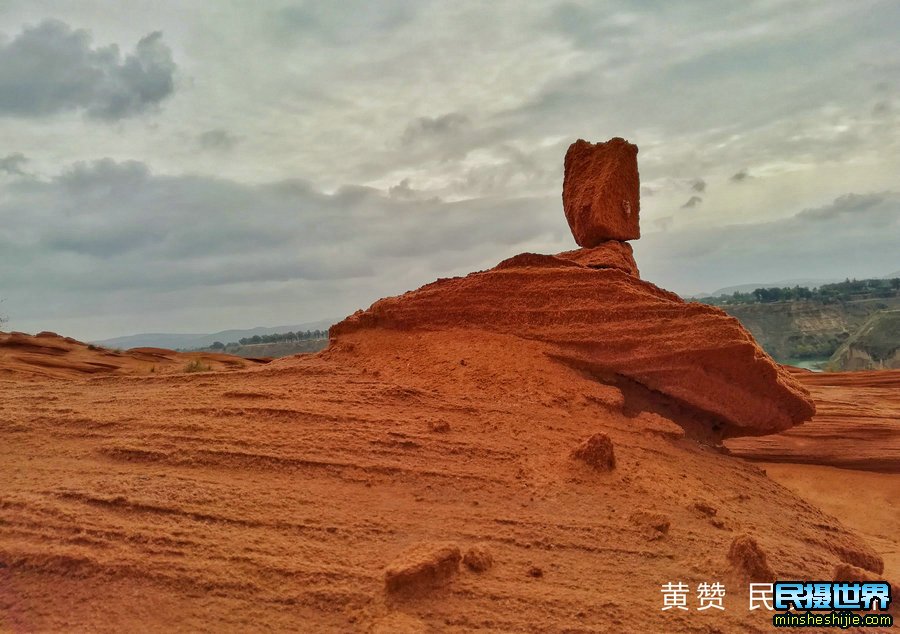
[(192, 166)]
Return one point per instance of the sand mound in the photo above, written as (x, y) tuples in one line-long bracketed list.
[(49, 355)]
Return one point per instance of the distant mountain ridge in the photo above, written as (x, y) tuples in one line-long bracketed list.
[(808, 283), (749, 288), (189, 341)]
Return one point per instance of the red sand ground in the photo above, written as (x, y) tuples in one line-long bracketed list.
[(47, 355), (276, 498)]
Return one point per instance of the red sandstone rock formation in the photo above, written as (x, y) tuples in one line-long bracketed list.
[(441, 417), (601, 191), (611, 324), (590, 303)]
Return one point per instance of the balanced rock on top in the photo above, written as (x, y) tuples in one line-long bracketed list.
[(601, 191)]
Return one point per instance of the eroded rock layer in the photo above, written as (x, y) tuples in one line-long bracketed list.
[(856, 426), (611, 254), (610, 323)]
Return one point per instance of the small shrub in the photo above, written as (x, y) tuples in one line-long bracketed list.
[(196, 366)]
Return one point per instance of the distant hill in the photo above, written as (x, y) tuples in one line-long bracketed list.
[(276, 350), (749, 288), (875, 346), (809, 283), (193, 341)]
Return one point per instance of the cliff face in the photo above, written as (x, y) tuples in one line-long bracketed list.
[(875, 346), (807, 329)]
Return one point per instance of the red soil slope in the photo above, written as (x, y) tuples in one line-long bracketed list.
[(49, 355), (864, 501), (276, 498)]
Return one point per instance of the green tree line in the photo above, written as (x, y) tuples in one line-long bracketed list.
[(276, 338), (827, 293)]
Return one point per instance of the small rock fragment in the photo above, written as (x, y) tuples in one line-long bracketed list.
[(478, 558), (749, 559), (654, 525), (439, 426), (847, 572), (596, 451), (423, 566), (656, 424), (535, 572), (704, 508)]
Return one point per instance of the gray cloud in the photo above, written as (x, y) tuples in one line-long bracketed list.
[(12, 164), (218, 140), (404, 191), (854, 236), (329, 94), (740, 176), (849, 206), (692, 202), (698, 185), (664, 224), (430, 128), (336, 24), (112, 227), (51, 68)]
